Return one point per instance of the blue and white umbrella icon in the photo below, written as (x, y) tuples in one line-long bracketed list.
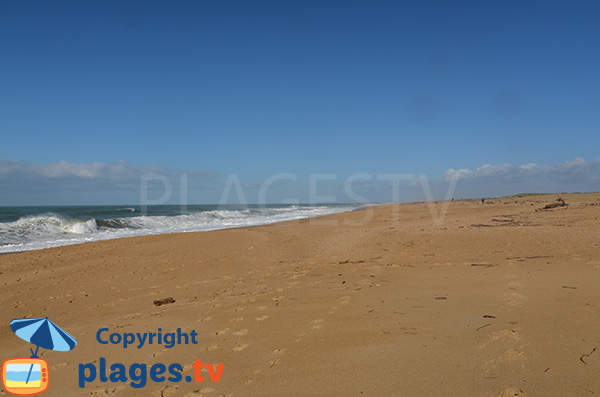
[(43, 333)]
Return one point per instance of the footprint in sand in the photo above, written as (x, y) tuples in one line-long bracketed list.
[(236, 319), (513, 284), (509, 335), (277, 353), (510, 357), (241, 332), (262, 308), (212, 347), (317, 323), (513, 355), (262, 318), (241, 347), (344, 300), (513, 299), (505, 335)]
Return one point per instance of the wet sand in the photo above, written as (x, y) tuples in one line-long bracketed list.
[(495, 300)]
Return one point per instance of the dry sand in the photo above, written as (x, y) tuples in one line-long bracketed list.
[(496, 300)]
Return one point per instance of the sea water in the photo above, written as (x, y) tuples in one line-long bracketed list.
[(32, 228)]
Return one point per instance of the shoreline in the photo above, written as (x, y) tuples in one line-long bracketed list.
[(351, 208), (496, 299), (522, 197)]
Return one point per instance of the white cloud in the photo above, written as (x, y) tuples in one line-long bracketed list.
[(575, 175), (118, 172), (27, 182)]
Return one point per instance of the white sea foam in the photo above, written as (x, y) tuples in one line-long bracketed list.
[(52, 230)]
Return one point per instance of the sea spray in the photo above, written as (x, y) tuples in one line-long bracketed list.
[(31, 228)]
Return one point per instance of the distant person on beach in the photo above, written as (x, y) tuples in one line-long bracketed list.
[(482, 201)]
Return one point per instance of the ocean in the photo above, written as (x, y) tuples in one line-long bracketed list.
[(33, 228)]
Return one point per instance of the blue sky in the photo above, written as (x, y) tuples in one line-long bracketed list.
[(257, 88)]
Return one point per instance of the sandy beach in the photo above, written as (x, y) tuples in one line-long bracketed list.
[(493, 300)]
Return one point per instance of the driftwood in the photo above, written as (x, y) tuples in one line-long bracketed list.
[(160, 302), (559, 203)]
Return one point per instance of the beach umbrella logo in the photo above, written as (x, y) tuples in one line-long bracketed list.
[(30, 376)]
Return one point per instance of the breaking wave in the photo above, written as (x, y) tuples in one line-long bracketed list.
[(52, 229)]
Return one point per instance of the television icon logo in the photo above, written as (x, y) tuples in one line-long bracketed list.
[(29, 376), (25, 376)]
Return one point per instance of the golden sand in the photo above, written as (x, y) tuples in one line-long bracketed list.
[(495, 300)]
